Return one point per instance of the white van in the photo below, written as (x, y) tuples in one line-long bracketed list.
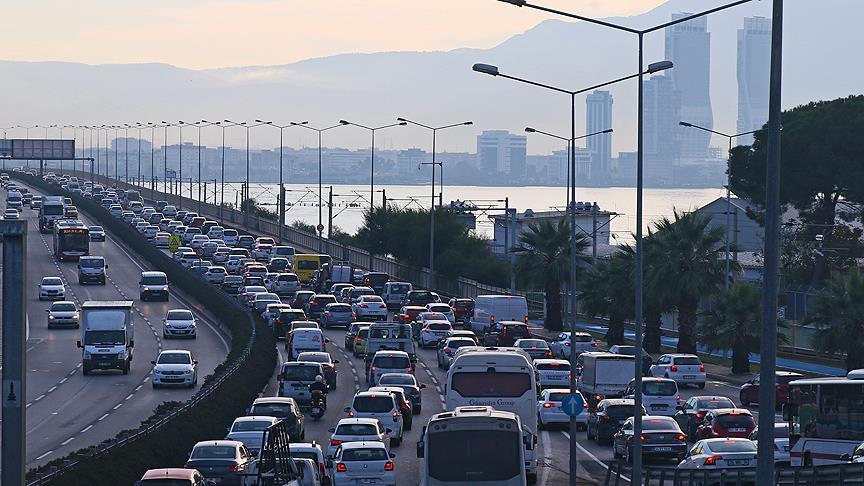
[(490, 308), (302, 340), (659, 395), (394, 293)]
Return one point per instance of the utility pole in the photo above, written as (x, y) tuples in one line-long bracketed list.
[(384, 199), (281, 211), (594, 231), (330, 214)]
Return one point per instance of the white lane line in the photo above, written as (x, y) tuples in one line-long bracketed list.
[(138, 387), (117, 406), (70, 439), (103, 417), (52, 389), (29, 404), (547, 457), (85, 429), (129, 396), (64, 380), (40, 397), (43, 456), (592, 456)]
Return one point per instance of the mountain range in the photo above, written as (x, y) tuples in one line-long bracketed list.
[(821, 61)]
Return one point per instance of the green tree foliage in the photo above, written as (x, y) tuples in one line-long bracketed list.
[(823, 165), (608, 291), (543, 259), (734, 322), (838, 311)]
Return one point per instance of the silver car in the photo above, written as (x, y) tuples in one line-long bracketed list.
[(63, 314)]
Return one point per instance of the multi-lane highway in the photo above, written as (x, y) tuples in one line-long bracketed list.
[(66, 410)]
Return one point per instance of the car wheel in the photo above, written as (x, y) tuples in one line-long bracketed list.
[(155, 386), (627, 456), (742, 397), (396, 441), (85, 370), (615, 454), (126, 368), (702, 385), (540, 424)]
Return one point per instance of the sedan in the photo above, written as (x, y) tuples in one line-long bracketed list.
[(175, 367), (250, 431), (327, 362), (433, 332), (726, 422), (749, 392), (225, 461), (97, 233), (160, 240), (560, 346), (52, 288), (179, 323), (63, 314), (691, 413), (232, 283), (337, 315), (10, 214), (550, 411), (370, 308), (447, 350), (720, 454), (408, 383), (536, 348), (215, 275), (363, 463), (661, 438), (248, 292), (444, 309)]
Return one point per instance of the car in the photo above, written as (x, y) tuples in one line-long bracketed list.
[(232, 264), (394, 293), (506, 333), (647, 360), (208, 249), (197, 241), (215, 275), (381, 407), (175, 367), (464, 333), (255, 270), (554, 373), (189, 233), (272, 311), (313, 451), (247, 292), (221, 254), (261, 252), (229, 236), (409, 313), (420, 298), (343, 294), (301, 297), (355, 292), (316, 305), (584, 342), (370, 308), (153, 285), (169, 211), (447, 350), (433, 332), (216, 232), (327, 362), (692, 412), (10, 214), (749, 392), (550, 411), (463, 309), (63, 313), (284, 319), (231, 284), (116, 210), (52, 288), (140, 226), (781, 443), (536, 348), (388, 361), (357, 430), (361, 342), (685, 369), (337, 288), (363, 463), (250, 430), (97, 233), (187, 257), (245, 241), (179, 323), (299, 340), (294, 380), (408, 383), (337, 315), (402, 400), (278, 264), (225, 461), (286, 284), (175, 476), (726, 422), (376, 280), (260, 301), (661, 439), (720, 454), (160, 240), (36, 202), (443, 309), (606, 418)]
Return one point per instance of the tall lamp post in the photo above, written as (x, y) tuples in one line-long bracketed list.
[(199, 125), (248, 193), (281, 209), (165, 125), (728, 274), (571, 207), (224, 124), (434, 131), (320, 131), (372, 150), (638, 278)]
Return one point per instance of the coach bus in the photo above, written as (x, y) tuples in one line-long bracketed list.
[(473, 445), (71, 240), (502, 378), (826, 418)]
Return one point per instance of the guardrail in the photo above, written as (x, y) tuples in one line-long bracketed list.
[(618, 474)]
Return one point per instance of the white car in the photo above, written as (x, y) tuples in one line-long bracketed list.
[(216, 232), (363, 463), (187, 258), (233, 263), (433, 332), (150, 231), (370, 308), (685, 369), (176, 367), (169, 211), (10, 214), (250, 431), (261, 252), (63, 314), (215, 275), (116, 210), (197, 241), (584, 343), (272, 311), (141, 226), (781, 444), (381, 407), (286, 284), (311, 450), (52, 288), (720, 453), (221, 254), (161, 239), (659, 395), (357, 430), (549, 409), (179, 253), (554, 373), (179, 323), (229, 236), (443, 309)]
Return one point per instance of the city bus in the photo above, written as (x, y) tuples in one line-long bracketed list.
[(71, 239), (306, 264), (477, 445), (826, 418), (502, 378)]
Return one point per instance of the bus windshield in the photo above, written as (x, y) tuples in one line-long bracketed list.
[(79, 240), (491, 384), (473, 456), (829, 411)]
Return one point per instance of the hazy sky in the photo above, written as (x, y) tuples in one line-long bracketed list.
[(219, 33)]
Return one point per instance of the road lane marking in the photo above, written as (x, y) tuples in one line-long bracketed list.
[(43, 456), (102, 417), (547, 457), (117, 406), (70, 439), (592, 456), (85, 429)]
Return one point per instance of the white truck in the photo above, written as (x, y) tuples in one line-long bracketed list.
[(603, 375), (52, 209), (340, 273), (107, 335)]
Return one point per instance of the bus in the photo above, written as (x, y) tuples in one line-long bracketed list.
[(477, 445), (306, 264), (503, 378), (826, 418), (71, 239)]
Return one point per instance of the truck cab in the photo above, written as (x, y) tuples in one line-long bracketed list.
[(107, 336)]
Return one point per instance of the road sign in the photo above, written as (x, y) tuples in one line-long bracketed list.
[(320, 228), (573, 404), (173, 243), (37, 149)]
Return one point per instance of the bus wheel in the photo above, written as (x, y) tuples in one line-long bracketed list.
[(532, 478), (808, 459)]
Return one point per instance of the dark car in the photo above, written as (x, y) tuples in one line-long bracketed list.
[(351, 333), (463, 309), (301, 297), (408, 383), (749, 392), (726, 422), (607, 417), (376, 280), (232, 284), (317, 304), (225, 461), (337, 315), (283, 408), (661, 439), (505, 333), (283, 321), (327, 362), (407, 314), (420, 298), (691, 413), (278, 265)]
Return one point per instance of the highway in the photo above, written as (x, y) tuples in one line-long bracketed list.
[(66, 410)]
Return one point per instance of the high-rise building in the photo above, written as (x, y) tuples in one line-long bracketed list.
[(661, 141), (599, 118), (688, 46), (754, 58), (501, 152)]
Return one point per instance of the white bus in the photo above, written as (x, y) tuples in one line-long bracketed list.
[(826, 418), (502, 378), (480, 446)]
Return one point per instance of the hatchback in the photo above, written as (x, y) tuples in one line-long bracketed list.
[(447, 350), (380, 406), (444, 309), (337, 315), (327, 363), (363, 463), (728, 422), (175, 367), (370, 307), (286, 284), (683, 368), (224, 461), (434, 332), (583, 343), (749, 392), (388, 362), (357, 430), (232, 283), (179, 323), (52, 288), (97, 233), (692, 412), (317, 304), (536, 348), (607, 417), (550, 410), (284, 320), (63, 314), (408, 383)]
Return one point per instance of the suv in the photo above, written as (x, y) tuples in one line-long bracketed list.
[(463, 309), (283, 408), (153, 285), (607, 417), (388, 362), (381, 406), (561, 345), (294, 380), (505, 333), (726, 422), (683, 368)]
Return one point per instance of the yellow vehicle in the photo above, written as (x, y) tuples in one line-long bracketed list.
[(306, 264), (360, 342), (70, 212)]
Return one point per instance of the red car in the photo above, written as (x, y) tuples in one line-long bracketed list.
[(726, 422), (409, 313), (750, 391), (463, 309)]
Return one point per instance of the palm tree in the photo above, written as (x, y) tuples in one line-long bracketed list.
[(838, 311), (608, 291), (689, 267), (656, 297), (734, 322), (543, 258)]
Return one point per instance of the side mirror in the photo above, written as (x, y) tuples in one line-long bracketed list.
[(331, 430), (106, 266), (195, 361), (392, 456), (78, 344), (347, 409), (845, 457), (47, 310), (389, 431), (153, 362), (335, 361), (422, 385)]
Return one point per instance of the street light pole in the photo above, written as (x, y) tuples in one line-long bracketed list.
[(225, 124), (372, 167), (199, 125), (281, 209)]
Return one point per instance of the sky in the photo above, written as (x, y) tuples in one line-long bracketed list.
[(202, 34)]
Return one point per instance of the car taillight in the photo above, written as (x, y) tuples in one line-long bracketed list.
[(548, 405), (403, 406), (526, 319), (549, 353), (350, 413), (426, 330), (682, 438), (410, 370), (321, 469), (677, 398), (395, 416), (314, 302), (673, 368), (447, 350), (341, 467), (593, 344), (234, 468), (491, 318), (712, 460), (362, 306), (335, 442), (388, 466), (701, 368), (329, 314), (357, 340), (643, 437)]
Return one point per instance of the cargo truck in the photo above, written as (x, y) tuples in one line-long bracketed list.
[(603, 375), (107, 335), (52, 209)]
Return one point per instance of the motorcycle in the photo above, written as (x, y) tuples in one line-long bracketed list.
[(318, 406)]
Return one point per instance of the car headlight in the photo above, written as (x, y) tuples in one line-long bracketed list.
[(50, 316), (165, 288)]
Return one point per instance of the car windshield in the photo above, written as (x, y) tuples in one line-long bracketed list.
[(458, 343), (439, 326), (52, 281), (281, 410), (165, 482), (439, 308), (397, 379), (400, 288), (325, 299), (179, 315), (690, 360), (96, 228), (563, 366), (155, 280), (620, 411), (557, 396), (372, 298), (91, 262), (214, 452), (377, 454), (516, 330), (314, 357), (733, 446), (433, 316), (356, 429), (174, 358), (339, 308), (659, 388), (64, 307), (392, 362), (735, 421), (714, 403), (301, 373), (659, 424), (307, 265), (104, 337), (250, 426), (373, 403), (533, 343)]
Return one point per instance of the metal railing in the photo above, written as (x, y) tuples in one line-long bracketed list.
[(618, 474)]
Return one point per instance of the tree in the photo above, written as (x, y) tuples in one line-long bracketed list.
[(608, 291), (689, 266), (838, 312), (734, 322), (543, 258), (822, 165)]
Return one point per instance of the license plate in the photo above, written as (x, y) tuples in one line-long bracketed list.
[(738, 462), (662, 449), (659, 407), (689, 377), (737, 429), (367, 481)]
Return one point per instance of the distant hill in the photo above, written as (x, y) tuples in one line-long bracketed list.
[(821, 61)]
